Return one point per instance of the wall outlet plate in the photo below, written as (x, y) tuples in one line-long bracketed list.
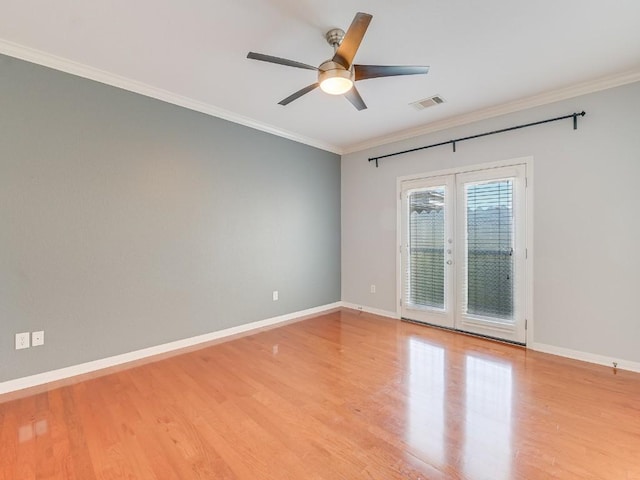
[(22, 340), (275, 295), (37, 338)]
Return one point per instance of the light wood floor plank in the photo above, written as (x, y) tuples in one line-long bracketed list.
[(346, 395)]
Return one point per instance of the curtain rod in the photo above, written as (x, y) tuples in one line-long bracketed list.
[(453, 142)]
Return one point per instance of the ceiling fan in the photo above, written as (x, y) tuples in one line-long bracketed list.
[(337, 75)]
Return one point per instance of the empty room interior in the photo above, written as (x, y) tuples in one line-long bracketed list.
[(275, 239)]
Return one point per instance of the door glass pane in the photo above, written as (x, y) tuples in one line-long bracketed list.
[(426, 242), (490, 242)]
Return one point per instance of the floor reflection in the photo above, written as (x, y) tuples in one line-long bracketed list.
[(426, 409), (459, 410), (487, 450), (32, 430)]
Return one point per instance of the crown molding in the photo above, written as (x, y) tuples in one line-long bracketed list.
[(583, 88), (81, 70)]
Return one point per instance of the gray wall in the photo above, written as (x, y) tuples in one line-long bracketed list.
[(586, 211), (126, 222)]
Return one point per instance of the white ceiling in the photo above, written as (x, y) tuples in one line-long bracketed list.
[(482, 53)]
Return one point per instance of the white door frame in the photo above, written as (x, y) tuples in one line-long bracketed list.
[(528, 221)]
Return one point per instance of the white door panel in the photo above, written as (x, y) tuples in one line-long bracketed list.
[(491, 252), (427, 251)]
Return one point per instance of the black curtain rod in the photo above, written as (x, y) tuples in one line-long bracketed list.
[(453, 142)]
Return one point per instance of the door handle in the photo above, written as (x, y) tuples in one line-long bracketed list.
[(449, 262)]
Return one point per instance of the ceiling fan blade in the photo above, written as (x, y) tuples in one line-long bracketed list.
[(363, 72), (356, 100), (279, 61), (352, 39), (298, 94)]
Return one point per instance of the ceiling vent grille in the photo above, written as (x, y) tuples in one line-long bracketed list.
[(428, 102)]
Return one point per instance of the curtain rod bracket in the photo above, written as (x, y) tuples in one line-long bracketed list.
[(575, 119)]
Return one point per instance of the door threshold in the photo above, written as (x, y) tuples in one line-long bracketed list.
[(463, 332)]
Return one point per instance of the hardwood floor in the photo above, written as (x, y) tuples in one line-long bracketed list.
[(345, 395)]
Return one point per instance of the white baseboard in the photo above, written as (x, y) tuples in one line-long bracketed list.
[(95, 365), (540, 347), (586, 356), (375, 311)]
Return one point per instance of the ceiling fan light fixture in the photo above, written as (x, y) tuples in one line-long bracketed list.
[(336, 85), (337, 76), (335, 81)]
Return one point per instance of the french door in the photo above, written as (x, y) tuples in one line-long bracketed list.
[(463, 251)]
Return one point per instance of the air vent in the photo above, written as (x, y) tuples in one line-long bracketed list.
[(428, 102)]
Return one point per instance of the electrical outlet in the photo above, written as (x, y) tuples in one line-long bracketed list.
[(373, 289), (22, 340), (275, 295), (37, 338)]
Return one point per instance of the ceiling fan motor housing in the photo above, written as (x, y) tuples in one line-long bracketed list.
[(334, 78)]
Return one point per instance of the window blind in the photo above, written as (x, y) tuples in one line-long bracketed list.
[(425, 266), (489, 249)]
